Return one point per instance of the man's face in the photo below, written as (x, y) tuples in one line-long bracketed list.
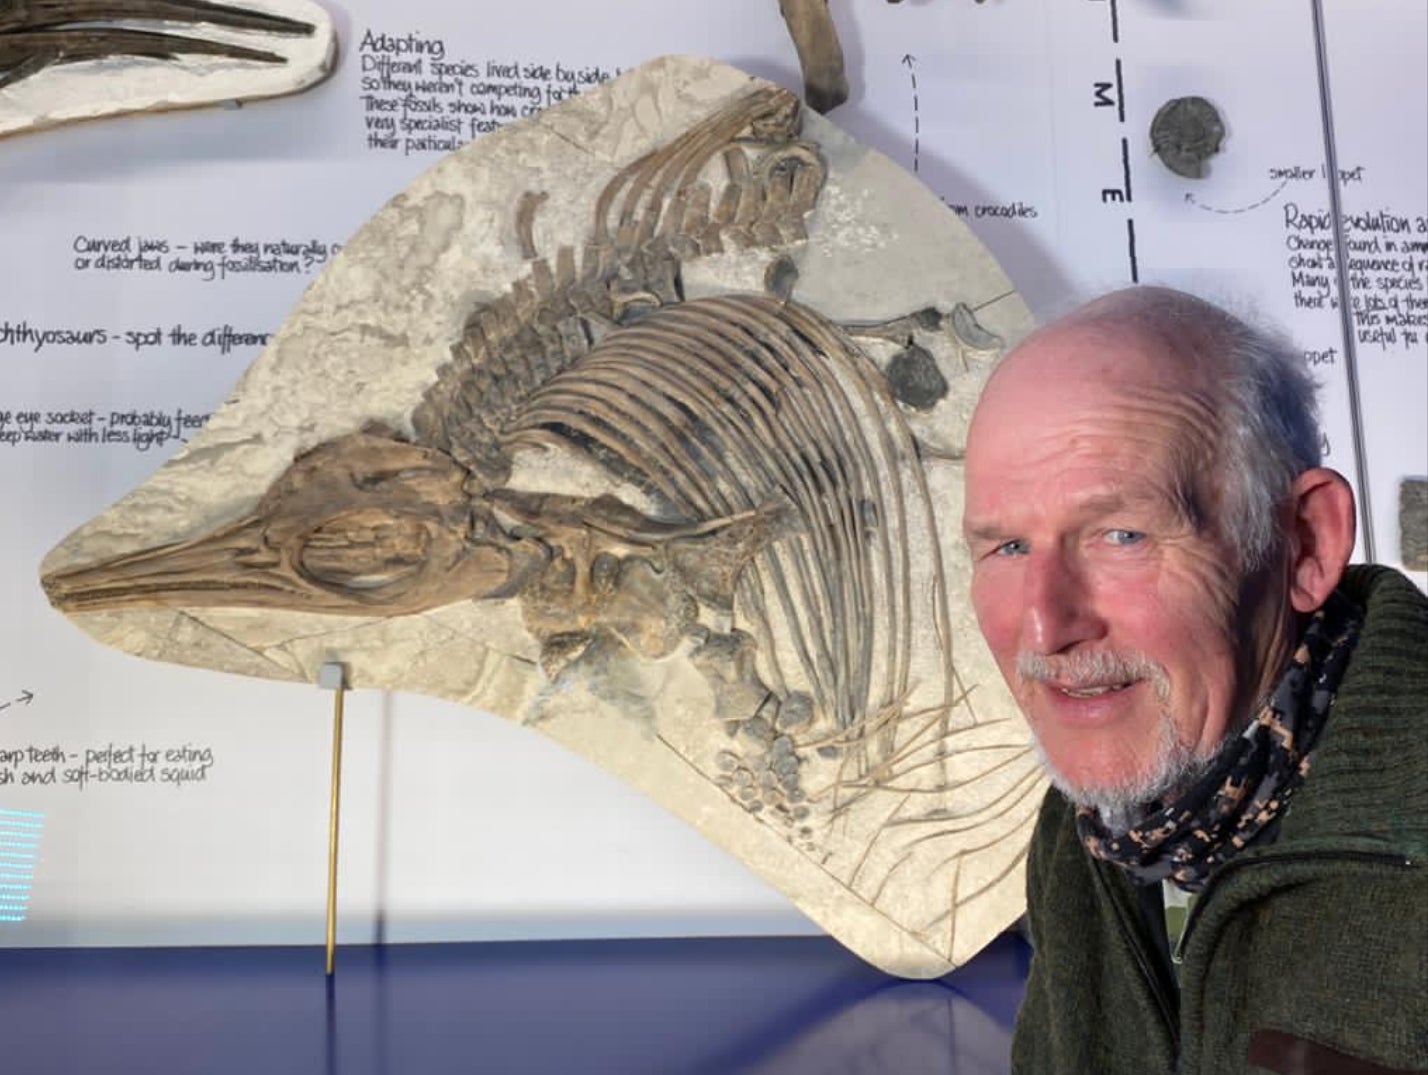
[(1101, 581)]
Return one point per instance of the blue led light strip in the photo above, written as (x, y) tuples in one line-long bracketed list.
[(19, 849)]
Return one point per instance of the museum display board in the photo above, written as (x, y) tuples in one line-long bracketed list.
[(152, 258)]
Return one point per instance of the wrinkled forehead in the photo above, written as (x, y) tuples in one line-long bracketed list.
[(1083, 410), (1102, 371)]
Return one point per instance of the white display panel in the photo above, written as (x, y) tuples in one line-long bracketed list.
[(147, 257)]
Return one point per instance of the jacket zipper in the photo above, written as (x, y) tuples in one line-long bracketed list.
[(1132, 937), (1197, 909)]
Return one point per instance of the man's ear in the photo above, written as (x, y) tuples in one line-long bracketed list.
[(1321, 535)]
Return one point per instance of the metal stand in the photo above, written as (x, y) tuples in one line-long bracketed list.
[(333, 676)]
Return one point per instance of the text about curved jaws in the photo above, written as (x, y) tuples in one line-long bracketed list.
[(205, 258)]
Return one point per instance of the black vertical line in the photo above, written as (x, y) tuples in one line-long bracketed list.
[(1115, 24), (1125, 168), (1120, 93), (1341, 259), (1130, 248)]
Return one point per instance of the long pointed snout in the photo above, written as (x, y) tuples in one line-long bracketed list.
[(366, 562), (362, 525), (204, 572)]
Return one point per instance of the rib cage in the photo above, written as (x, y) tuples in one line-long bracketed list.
[(658, 210), (719, 408), (724, 405)]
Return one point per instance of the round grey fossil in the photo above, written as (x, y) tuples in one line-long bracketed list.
[(1185, 133)]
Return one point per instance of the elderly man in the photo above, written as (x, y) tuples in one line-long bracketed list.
[(1230, 716)]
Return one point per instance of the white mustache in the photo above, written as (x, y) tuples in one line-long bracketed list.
[(1093, 668)]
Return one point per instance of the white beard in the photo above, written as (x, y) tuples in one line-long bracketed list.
[(1122, 803)]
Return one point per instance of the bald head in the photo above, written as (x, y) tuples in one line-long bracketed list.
[(1146, 520), (1263, 401)]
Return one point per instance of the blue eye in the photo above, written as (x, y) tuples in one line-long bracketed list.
[(1010, 548), (1124, 537)]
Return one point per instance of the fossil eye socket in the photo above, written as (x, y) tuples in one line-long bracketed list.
[(367, 549)]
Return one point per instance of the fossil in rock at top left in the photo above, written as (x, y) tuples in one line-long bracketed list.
[(65, 60), (716, 522)]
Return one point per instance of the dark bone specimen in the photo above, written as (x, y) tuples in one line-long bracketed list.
[(751, 572), (820, 54), (825, 86), (35, 34)]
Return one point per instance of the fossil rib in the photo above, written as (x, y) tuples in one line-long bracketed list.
[(686, 399)]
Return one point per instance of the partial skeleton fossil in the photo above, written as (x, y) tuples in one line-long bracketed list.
[(37, 33), (42, 37), (774, 530)]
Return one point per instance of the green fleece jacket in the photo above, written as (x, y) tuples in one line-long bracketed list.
[(1304, 956)]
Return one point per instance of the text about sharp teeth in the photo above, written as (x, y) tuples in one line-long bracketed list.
[(113, 764)]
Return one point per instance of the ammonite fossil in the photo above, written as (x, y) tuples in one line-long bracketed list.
[(641, 421)]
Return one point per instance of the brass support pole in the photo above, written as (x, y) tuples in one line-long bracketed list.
[(334, 678)]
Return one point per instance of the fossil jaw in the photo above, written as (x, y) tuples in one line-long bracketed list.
[(363, 525), (39, 33), (63, 60)]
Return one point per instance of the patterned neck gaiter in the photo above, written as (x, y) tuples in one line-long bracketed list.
[(1242, 798)]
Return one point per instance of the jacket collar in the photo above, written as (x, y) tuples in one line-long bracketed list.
[(1367, 786)]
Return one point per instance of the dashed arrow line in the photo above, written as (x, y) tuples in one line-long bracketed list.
[(910, 61), (1190, 197)]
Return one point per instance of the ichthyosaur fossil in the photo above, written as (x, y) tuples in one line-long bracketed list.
[(75, 59), (679, 515)]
